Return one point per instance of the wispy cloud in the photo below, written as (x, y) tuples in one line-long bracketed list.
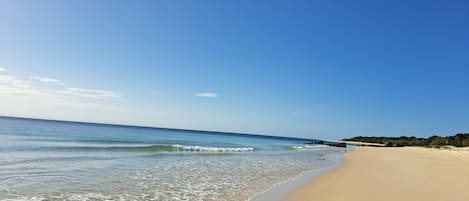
[(20, 97), (208, 95), (91, 93), (10, 80), (2, 69), (9, 85), (46, 79)]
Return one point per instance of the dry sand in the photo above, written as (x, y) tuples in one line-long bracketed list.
[(397, 174)]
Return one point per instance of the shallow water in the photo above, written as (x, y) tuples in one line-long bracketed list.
[(51, 160)]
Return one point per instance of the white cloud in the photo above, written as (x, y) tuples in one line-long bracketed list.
[(9, 85), (91, 93), (22, 98), (10, 80), (46, 79), (208, 95), (2, 69), (39, 106)]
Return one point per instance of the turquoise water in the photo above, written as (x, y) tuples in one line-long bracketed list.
[(52, 160)]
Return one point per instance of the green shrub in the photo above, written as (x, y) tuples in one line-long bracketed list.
[(458, 140)]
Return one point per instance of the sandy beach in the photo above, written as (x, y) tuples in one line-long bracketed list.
[(394, 174)]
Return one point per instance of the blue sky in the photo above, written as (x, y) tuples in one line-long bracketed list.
[(321, 69)]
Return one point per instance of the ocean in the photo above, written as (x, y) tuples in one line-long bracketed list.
[(56, 160)]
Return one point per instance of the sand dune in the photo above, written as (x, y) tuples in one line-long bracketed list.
[(397, 174)]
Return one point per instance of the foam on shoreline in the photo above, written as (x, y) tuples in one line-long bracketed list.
[(279, 191)]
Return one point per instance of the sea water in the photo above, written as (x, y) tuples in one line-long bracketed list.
[(55, 160)]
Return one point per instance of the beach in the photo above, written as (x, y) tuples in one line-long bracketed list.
[(382, 174)]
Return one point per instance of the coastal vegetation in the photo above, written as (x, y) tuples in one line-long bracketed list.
[(458, 140)]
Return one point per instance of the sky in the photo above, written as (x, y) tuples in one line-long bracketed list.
[(325, 69)]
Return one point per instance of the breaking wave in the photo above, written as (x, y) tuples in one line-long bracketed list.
[(312, 147), (167, 148), (213, 149)]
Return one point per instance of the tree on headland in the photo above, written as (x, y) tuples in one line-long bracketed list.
[(458, 140)]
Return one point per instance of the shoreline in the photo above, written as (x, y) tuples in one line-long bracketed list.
[(389, 174), (281, 190)]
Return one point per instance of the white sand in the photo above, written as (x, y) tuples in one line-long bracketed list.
[(393, 174)]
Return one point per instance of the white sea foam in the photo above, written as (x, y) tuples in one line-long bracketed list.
[(68, 197), (213, 149), (297, 147), (278, 190), (310, 147)]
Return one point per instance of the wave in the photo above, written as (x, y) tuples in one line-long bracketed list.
[(313, 147), (213, 149), (156, 148)]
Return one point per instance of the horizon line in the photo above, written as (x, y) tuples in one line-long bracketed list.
[(155, 127)]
